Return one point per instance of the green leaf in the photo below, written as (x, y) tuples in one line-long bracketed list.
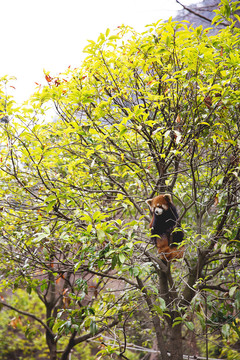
[(162, 304), (122, 132), (101, 235), (96, 215), (86, 217), (232, 291), (226, 330), (189, 325), (122, 258), (178, 320), (114, 261), (224, 248), (158, 309), (93, 327), (50, 205), (44, 286), (176, 323), (135, 271), (89, 228), (114, 37)]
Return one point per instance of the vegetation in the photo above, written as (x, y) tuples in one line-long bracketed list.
[(145, 114)]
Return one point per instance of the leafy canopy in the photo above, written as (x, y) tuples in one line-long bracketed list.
[(145, 113)]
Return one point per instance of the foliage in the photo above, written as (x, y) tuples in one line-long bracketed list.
[(19, 336), (227, 12), (145, 113)]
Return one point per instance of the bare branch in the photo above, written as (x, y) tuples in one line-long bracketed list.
[(25, 313)]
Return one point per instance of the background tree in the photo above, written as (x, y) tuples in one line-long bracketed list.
[(203, 13), (144, 114)]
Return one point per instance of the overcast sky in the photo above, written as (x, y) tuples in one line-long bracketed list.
[(51, 34)]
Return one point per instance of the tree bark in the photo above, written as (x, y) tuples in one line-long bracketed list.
[(52, 345), (176, 348), (51, 342), (156, 323), (169, 294), (69, 347)]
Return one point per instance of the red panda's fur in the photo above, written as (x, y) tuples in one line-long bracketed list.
[(162, 225)]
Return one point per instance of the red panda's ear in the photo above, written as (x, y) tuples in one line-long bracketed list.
[(149, 202), (168, 197)]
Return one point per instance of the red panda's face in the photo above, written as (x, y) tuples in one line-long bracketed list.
[(159, 203)]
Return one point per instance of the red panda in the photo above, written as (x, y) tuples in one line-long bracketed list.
[(165, 229)]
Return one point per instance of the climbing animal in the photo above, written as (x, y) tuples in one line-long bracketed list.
[(165, 229)]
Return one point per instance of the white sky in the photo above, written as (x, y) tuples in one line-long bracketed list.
[(51, 34)]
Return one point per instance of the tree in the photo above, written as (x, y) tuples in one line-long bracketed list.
[(204, 12), (144, 114)]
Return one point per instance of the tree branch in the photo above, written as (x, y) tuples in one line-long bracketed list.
[(194, 12), (88, 336), (25, 313), (197, 14)]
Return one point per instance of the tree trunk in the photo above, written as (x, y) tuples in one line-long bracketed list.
[(52, 345), (175, 343), (156, 322), (51, 342), (169, 294), (69, 347), (160, 339)]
